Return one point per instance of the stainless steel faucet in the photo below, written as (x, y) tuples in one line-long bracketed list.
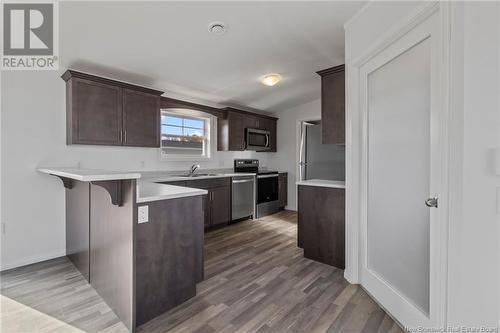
[(193, 169)]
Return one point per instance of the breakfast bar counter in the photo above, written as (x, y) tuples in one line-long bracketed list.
[(138, 243)]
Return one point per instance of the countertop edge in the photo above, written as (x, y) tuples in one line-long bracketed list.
[(320, 184), (98, 176), (195, 193)]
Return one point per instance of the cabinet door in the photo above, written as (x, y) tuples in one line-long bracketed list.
[(95, 113), (220, 205), (237, 125), (283, 190), (333, 107), (141, 119)]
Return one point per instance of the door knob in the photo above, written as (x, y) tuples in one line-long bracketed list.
[(432, 202)]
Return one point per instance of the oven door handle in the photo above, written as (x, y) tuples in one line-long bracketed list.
[(267, 176)]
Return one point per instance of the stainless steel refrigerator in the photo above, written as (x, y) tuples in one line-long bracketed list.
[(317, 160)]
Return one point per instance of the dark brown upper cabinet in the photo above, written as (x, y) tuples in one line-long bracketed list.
[(101, 111), (231, 128), (141, 119), (333, 105)]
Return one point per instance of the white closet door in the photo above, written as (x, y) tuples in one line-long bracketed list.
[(401, 160)]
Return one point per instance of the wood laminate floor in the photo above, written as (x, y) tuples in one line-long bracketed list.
[(256, 280)]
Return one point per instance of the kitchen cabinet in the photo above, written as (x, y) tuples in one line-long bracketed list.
[(217, 202), (321, 224), (333, 105), (220, 205), (95, 113), (231, 129), (141, 119), (282, 189), (101, 111)]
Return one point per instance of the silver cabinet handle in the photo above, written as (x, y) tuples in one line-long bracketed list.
[(432, 202), (124, 136)]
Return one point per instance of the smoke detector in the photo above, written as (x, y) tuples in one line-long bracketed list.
[(217, 28)]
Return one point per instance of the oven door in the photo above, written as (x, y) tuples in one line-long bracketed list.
[(267, 188), (257, 139)]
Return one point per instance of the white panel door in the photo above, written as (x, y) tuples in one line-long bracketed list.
[(401, 172)]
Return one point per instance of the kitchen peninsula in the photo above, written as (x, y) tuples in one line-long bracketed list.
[(138, 243)]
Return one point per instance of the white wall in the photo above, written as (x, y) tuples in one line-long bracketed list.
[(474, 263), (33, 134), (474, 276), (286, 157)]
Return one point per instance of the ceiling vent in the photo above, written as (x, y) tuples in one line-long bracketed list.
[(217, 28)]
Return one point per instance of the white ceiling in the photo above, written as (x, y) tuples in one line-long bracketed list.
[(166, 45)]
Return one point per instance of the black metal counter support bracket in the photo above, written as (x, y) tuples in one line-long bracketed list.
[(114, 188)]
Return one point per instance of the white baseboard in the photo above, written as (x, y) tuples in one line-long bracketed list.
[(31, 260)]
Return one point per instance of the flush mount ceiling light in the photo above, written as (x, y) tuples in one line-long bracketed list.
[(217, 28), (270, 79)]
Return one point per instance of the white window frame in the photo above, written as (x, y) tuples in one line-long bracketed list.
[(209, 134)]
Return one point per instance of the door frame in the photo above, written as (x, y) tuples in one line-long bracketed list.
[(356, 143)]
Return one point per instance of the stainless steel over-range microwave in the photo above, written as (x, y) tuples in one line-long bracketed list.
[(257, 139)]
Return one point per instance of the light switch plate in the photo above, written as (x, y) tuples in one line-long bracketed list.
[(143, 214)]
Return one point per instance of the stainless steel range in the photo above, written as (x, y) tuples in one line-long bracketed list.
[(267, 186)]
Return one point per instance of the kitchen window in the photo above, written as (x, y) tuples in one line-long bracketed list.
[(185, 135)]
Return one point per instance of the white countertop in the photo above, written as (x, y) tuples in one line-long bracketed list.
[(148, 191), (148, 188), (169, 178), (89, 175), (322, 183)]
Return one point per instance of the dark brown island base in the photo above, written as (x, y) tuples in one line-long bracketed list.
[(139, 244), (321, 221)]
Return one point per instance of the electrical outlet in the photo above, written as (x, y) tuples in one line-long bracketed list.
[(143, 214)]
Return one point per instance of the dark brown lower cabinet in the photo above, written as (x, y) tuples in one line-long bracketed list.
[(220, 206), (321, 224), (169, 256), (217, 202), (283, 189)]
